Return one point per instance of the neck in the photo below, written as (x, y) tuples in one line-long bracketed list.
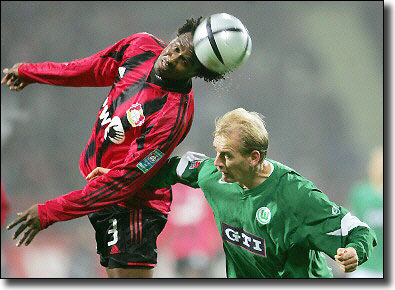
[(258, 175), (183, 86)]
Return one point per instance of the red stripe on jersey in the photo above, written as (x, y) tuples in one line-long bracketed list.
[(131, 226), (136, 229), (142, 264)]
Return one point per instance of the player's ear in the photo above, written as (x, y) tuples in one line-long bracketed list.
[(255, 156)]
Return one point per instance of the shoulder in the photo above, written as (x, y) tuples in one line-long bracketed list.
[(292, 186), (146, 40)]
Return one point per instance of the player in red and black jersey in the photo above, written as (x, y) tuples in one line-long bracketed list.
[(147, 113)]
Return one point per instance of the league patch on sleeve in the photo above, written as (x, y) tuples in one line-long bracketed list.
[(195, 164), (148, 162)]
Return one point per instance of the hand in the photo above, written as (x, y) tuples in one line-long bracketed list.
[(347, 258), (12, 78), (96, 172), (31, 221)]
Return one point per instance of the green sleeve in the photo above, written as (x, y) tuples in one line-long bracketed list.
[(326, 227), (166, 176), (362, 239), (178, 169)]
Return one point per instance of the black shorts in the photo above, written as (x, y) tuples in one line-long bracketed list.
[(126, 238)]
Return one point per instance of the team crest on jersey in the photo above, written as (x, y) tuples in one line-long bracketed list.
[(135, 115), (263, 215), (195, 164), (335, 210)]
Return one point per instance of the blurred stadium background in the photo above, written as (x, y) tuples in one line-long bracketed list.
[(315, 73)]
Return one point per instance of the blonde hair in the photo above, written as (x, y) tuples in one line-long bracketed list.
[(251, 128)]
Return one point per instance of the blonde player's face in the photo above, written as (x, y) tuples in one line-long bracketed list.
[(234, 166), (176, 61)]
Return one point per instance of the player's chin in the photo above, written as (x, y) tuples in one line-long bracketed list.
[(227, 178)]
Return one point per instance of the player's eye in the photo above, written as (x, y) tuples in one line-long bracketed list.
[(227, 156)]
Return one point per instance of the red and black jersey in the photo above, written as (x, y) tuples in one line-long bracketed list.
[(137, 128)]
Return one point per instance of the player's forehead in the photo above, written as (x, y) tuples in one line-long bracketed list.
[(223, 143), (184, 41)]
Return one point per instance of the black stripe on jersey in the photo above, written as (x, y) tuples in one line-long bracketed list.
[(175, 131), (111, 185), (128, 93), (109, 189), (160, 43), (90, 151), (149, 108), (133, 62), (212, 40), (140, 140), (117, 55), (114, 186), (130, 64), (155, 105)]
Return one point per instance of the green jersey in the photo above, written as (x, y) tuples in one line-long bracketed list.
[(277, 229)]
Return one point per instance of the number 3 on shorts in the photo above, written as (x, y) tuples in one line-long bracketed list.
[(113, 231)]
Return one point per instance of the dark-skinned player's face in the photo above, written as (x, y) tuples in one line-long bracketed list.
[(176, 61)]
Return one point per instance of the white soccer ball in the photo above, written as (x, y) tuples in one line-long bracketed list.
[(222, 43)]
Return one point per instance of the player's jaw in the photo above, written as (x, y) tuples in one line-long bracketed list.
[(227, 177)]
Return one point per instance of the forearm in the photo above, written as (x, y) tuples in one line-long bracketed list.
[(78, 73), (102, 192), (362, 239), (166, 176)]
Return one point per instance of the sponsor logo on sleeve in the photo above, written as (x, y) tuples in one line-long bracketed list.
[(243, 239), (148, 162)]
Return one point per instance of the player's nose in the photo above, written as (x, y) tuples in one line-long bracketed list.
[(218, 162)]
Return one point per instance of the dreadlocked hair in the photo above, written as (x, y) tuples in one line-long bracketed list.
[(203, 72)]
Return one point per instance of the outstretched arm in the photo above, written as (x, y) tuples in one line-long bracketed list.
[(97, 70), (333, 230)]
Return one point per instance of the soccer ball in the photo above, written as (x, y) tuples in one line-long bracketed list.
[(222, 43)]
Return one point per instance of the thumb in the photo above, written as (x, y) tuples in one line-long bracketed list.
[(91, 175), (341, 251)]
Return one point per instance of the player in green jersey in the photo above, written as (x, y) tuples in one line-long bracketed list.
[(274, 223)]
